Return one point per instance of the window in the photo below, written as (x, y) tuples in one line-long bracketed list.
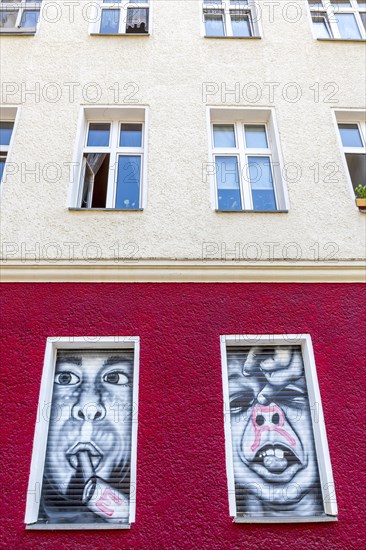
[(339, 19), (277, 456), (245, 157), (19, 16), (113, 159), (7, 122), (83, 470), (122, 17), (352, 133), (230, 18)]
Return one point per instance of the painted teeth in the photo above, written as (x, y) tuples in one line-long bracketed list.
[(279, 453), (270, 452), (275, 451)]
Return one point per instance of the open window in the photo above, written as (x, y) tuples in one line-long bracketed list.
[(112, 159), (83, 472), (19, 16), (339, 19), (116, 17), (277, 456)]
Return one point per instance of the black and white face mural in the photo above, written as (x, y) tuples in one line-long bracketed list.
[(275, 464), (87, 466)]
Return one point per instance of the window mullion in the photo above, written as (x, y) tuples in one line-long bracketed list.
[(113, 166), (123, 18), (245, 190), (228, 26)]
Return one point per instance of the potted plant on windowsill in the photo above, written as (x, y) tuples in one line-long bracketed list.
[(360, 192)]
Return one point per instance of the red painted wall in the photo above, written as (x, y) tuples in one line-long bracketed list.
[(182, 499)]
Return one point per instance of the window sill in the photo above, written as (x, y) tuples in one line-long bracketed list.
[(341, 39), (310, 519), (75, 526), (19, 32), (234, 37), (77, 209), (120, 34), (251, 211)]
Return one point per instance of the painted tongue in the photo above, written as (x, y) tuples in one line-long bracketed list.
[(275, 464)]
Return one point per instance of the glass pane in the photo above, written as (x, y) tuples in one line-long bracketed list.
[(255, 136), (240, 25), (131, 135), (228, 185), (224, 135), (128, 182), (238, 3), (29, 19), (363, 17), (137, 20), (214, 25), (261, 181), (109, 23), (6, 129), (8, 19), (2, 167), (357, 168), (347, 25), (321, 28), (98, 135), (341, 4), (350, 135)]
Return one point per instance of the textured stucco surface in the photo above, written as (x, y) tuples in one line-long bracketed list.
[(181, 480), (169, 68)]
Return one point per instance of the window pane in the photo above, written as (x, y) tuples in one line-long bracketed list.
[(357, 168), (363, 17), (347, 25), (2, 166), (340, 4), (350, 135), (224, 135), (6, 129), (131, 135), (29, 19), (109, 23), (240, 25), (228, 184), (321, 28), (261, 181), (8, 19), (98, 135), (214, 25), (255, 137), (137, 20), (128, 182)]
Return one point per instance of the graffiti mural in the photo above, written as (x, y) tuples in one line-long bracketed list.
[(87, 466), (274, 458)]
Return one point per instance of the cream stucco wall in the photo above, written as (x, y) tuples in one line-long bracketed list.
[(170, 69)]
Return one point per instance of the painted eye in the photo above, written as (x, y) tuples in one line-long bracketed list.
[(116, 377), (66, 378)]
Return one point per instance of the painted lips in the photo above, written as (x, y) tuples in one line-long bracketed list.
[(95, 454), (275, 458)]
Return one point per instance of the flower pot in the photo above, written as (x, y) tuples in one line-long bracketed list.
[(361, 203)]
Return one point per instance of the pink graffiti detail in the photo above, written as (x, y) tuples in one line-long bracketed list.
[(258, 430), (106, 500)]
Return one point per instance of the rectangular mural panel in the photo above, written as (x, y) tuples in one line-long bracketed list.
[(273, 458), (87, 465)]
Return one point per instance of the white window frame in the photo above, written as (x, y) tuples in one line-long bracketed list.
[(8, 114), (241, 116), (320, 436), (227, 8), (115, 116), (21, 6), (123, 6), (329, 12), (41, 431), (347, 116)]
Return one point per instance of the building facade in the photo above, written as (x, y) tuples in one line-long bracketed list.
[(168, 235)]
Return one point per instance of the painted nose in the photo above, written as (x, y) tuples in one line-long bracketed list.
[(268, 416), (88, 409), (273, 419)]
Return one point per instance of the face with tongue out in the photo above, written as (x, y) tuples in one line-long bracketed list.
[(90, 420)]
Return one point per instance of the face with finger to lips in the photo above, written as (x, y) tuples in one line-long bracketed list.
[(273, 447), (91, 411)]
